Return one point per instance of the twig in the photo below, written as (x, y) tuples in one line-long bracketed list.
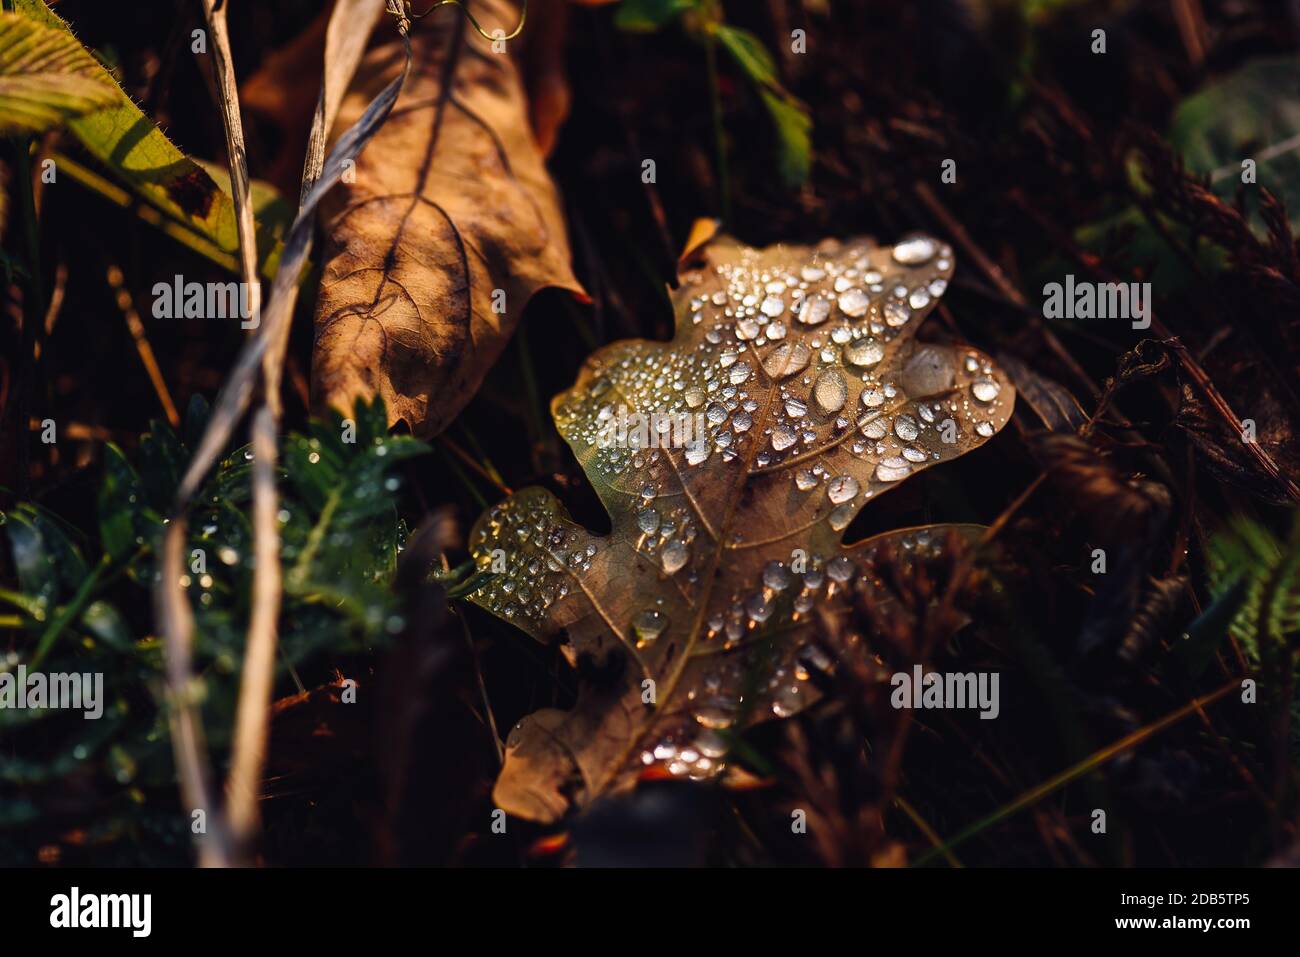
[(482, 688), (57, 295), (1004, 285), (1186, 360), (122, 296), (228, 101), (924, 827), (1092, 762), (192, 770), (1191, 27), (478, 469), (252, 717), (176, 620)]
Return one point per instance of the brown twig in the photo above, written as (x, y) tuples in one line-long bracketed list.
[(1004, 285), (176, 621), (122, 296)]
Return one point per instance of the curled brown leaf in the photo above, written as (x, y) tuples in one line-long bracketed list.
[(450, 227)]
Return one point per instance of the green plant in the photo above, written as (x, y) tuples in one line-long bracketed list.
[(81, 606), (703, 22)]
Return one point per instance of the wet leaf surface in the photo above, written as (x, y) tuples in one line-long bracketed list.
[(730, 460)]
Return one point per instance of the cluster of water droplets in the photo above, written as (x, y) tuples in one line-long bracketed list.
[(541, 556), (727, 692)]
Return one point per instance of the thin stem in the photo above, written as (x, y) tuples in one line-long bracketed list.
[(719, 135), (252, 717), (69, 612), (1090, 763)]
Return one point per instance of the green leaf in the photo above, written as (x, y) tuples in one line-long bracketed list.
[(46, 78), (791, 121), (750, 55), (646, 16), (1246, 554), (101, 620), (122, 522), (49, 565), (1206, 633), (794, 138), (272, 210), (127, 142), (1252, 113)]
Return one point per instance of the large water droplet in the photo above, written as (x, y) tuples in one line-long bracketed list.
[(649, 625), (840, 569), (711, 744), (840, 516), (783, 437), (864, 352), (697, 451), (905, 428), (896, 313), (786, 360), (841, 489), (715, 713), (815, 310), (985, 390), (830, 391), (775, 576), (648, 520), (915, 251), (854, 303), (674, 557), (893, 469)]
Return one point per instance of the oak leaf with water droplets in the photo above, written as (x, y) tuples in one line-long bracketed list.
[(730, 460)]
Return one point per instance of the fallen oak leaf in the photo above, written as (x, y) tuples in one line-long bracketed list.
[(800, 393), (451, 226)]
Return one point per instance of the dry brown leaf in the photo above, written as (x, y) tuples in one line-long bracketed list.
[(450, 228), (694, 613)]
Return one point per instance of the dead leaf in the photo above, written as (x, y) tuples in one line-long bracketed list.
[(549, 96), (450, 228), (279, 100), (795, 372)]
